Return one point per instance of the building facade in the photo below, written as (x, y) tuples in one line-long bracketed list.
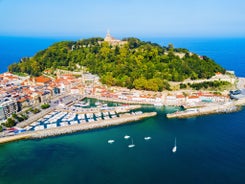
[(7, 108)]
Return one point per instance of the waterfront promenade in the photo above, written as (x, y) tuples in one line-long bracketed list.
[(124, 118), (121, 100)]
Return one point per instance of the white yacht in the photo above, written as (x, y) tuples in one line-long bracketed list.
[(126, 137), (97, 103), (111, 141), (147, 138)]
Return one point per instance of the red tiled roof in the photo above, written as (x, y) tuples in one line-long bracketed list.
[(11, 77), (180, 96), (22, 100), (42, 79), (193, 97)]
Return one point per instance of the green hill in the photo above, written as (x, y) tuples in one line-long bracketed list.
[(137, 64)]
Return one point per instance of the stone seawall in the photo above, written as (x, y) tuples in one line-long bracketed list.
[(126, 118), (15, 137), (123, 119), (215, 109)]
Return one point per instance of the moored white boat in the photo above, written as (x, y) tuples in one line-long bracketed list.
[(158, 104), (110, 141), (147, 138), (97, 103), (126, 137)]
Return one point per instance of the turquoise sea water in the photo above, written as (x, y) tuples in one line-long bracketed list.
[(210, 149)]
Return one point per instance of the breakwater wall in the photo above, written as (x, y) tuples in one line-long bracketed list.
[(214, 109), (123, 119), (15, 137), (227, 107)]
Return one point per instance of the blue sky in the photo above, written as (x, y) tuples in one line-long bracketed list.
[(145, 18)]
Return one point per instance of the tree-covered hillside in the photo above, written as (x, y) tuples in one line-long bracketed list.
[(138, 64)]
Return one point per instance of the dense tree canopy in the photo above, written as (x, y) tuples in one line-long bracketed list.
[(10, 122), (206, 85), (137, 64), (45, 106)]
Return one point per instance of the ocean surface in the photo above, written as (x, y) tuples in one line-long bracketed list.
[(210, 149)]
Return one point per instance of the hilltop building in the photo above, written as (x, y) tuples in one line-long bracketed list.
[(112, 41)]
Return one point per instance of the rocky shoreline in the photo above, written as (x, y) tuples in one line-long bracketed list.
[(229, 107)]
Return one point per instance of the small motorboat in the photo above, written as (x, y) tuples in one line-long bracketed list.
[(147, 138), (126, 137), (111, 141)]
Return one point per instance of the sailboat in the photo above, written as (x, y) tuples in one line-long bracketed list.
[(132, 144), (175, 146)]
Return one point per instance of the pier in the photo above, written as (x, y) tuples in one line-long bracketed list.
[(200, 111), (15, 137), (123, 119)]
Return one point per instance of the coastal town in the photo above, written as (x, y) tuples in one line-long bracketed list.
[(122, 92), (69, 106), (58, 102)]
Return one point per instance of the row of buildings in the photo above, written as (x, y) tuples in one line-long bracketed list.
[(18, 93), (191, 98)]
